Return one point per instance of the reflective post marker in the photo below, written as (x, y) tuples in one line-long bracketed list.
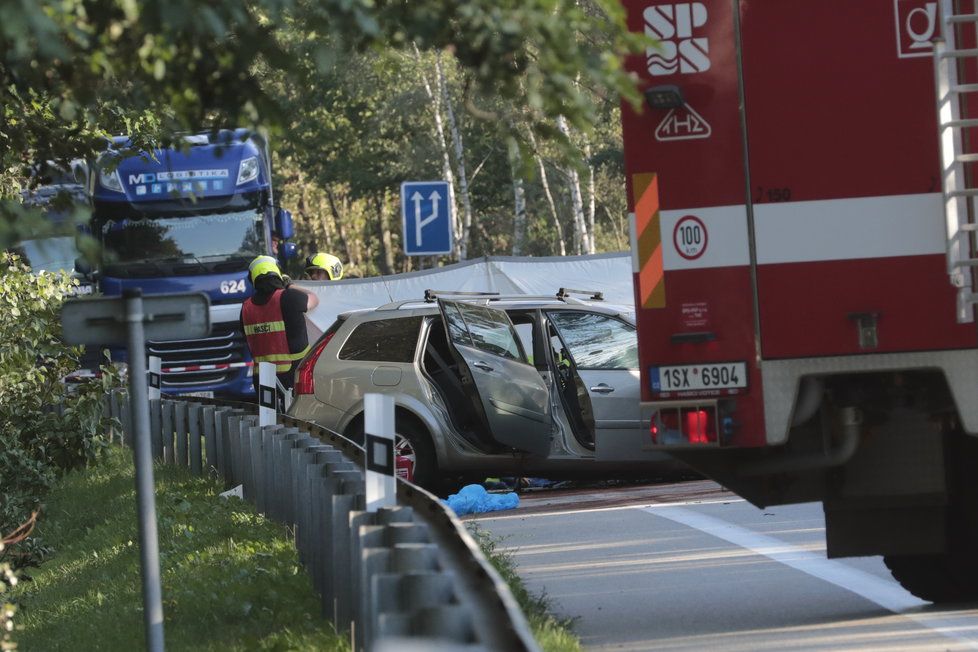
[(381, 487), (155, 377), (149, 547), (266, 394)]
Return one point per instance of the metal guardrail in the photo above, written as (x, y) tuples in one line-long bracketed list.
[(407, 575)]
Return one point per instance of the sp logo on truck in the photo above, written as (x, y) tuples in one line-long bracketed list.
[(689, 237), (677, 50), (916, 25)]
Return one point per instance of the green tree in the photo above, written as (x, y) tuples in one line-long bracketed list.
[(74, 71)]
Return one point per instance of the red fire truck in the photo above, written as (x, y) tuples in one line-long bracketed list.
[(803, 241)]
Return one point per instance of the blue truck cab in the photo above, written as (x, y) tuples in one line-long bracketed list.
[(191, 219)]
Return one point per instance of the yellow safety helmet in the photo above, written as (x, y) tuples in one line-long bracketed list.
[(263, 265), (328, 262)]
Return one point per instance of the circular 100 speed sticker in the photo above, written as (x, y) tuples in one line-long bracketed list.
[(689, 237)]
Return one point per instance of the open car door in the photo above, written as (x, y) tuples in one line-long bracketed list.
[(604, 364), (509, 392)]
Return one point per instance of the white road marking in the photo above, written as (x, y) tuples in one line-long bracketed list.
[(491, 516), (960, 626)]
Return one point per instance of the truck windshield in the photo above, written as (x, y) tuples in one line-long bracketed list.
[(196, 239)]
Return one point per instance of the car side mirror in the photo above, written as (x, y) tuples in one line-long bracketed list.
[(287, 251), (284, 228)]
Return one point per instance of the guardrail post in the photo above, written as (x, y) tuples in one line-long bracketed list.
[(269, 439), (156, 428), (240, 445), (401, 601), (349, 498), (256, 467), (324, 461), (283, 480), (169, 456), (306, 468), (193, 431), (116, 413), (370, 555), (180, 428), (126, 418), (222, 439), (207, 421)]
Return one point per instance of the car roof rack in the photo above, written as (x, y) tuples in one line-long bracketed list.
[(430, 296), (593, 295)]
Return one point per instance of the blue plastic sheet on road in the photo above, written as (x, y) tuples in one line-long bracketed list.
[(474, 499)]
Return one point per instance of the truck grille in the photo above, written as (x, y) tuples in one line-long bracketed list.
[(225, 345)]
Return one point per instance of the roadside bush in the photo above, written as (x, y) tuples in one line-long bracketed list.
[(39, 441)]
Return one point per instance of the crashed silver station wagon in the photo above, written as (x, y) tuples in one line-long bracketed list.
[(489, 385)]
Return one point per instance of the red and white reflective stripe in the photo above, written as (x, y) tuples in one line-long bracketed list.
[(854, 228), (849, 229), (207, 367)]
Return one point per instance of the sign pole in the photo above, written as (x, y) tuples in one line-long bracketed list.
[(145, 492)]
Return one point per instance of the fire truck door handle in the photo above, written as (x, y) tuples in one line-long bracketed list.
[(602, 388)]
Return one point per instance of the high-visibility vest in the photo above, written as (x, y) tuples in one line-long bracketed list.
[(264, 328)]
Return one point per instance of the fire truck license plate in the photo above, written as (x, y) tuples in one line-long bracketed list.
[(699, 377)]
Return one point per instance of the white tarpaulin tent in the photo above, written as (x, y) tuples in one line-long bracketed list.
[(610, 274)]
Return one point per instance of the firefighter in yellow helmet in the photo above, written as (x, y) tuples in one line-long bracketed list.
[(273, 319), (323, 267)]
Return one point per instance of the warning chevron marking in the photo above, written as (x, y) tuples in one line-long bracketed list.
[(682, 124)]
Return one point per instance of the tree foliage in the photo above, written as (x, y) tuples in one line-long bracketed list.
[(74, 71), (43, 431)]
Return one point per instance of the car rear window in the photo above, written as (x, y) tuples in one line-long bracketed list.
[(383, 340)]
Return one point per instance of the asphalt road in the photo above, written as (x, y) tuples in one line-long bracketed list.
[(691, 567)]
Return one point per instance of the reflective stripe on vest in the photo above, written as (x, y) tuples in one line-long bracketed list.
[(264, 327)]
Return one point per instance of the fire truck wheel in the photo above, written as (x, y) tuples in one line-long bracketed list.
[(953, 575), (943, 578)]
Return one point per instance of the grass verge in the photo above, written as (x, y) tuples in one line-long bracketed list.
[(231, 579), (552, 634)]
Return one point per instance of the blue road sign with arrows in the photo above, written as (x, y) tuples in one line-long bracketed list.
[(427, 218)]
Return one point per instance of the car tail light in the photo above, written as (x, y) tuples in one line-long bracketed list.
[(305, 383)]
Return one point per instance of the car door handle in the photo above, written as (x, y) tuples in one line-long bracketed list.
[(481, 365), (602, 388)]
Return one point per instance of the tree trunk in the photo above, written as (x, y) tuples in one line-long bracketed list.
[(348, 255), (385, 259), (545, 182), (591, 201), (577, 203), (519, 212), (446, 159), (463, 184)]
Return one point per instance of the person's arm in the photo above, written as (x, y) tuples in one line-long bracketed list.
[(312, 300)]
